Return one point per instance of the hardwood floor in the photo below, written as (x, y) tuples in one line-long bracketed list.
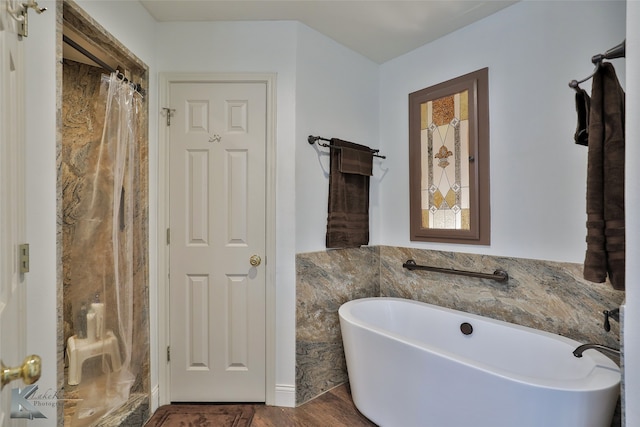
[(334, 408)]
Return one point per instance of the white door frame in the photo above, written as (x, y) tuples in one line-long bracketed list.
[(165, 80), (13, 290)]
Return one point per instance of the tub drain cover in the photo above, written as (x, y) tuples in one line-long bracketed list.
[(466, 328)]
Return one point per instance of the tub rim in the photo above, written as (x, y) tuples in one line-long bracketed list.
[(604, 374)]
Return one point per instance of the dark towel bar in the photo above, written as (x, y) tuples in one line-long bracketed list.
[(313, 139), (498, 275), (618, 51)]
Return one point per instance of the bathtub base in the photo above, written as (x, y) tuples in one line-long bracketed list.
[(398, 381)]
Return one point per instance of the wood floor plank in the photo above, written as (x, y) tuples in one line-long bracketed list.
[(333, 408)]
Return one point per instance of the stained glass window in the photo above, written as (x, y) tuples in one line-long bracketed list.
[(445, 162), (449, 161)]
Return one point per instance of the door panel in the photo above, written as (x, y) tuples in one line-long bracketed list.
[(217, 221)]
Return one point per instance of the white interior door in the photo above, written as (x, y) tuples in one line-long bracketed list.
[(12, 211), (217, 152)]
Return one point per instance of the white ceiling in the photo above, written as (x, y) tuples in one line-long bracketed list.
[(380, 30)]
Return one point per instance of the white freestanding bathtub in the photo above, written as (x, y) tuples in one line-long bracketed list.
[(410, 365)]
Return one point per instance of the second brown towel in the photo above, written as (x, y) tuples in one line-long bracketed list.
[(348, 210), (605, 254)]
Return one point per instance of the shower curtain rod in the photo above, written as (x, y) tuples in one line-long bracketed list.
[(138, 88)]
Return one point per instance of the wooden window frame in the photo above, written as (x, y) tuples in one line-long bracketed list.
[(477, 83)]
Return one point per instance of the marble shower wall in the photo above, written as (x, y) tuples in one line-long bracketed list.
[(83, 261), (83, 120), (545, 295)]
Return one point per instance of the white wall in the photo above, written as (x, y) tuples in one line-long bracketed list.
[(130, 23), (632, 199), (260, 47), (322, 88), (336, 96), (538, 175)]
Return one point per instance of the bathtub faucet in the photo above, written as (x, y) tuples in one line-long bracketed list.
[(610, 314), (578, 351)]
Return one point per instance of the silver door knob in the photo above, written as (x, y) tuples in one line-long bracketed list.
[(255, 260)]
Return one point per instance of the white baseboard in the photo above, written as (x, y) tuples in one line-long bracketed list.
[(285, 395), (155, 399)]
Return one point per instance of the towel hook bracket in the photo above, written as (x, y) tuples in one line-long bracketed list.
[(312, 139)]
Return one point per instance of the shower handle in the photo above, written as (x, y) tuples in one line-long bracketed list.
[(255, 260), (29, 371)]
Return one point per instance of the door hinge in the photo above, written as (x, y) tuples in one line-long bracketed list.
[(24, 257), (168, 112), (168, 236), (168, 353)]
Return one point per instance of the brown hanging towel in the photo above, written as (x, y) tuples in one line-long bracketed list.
[(348, 210), (583, 105), (605, 255)]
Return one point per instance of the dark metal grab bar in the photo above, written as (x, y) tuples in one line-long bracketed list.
[(498, 275)]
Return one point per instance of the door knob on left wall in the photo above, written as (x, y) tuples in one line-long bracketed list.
[(29, 371), (255, 260)]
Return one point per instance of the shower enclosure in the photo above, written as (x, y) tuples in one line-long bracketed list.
[(103, 234)]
